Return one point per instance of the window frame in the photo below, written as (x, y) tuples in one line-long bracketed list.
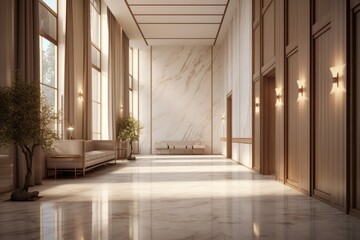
[(56, 43), (131, 80), (96, 68)]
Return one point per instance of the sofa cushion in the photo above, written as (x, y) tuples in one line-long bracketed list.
[(91, 155)]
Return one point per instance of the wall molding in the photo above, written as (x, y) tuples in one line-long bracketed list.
[(238, 140), (151, 115), (212, 98), (269, 66)]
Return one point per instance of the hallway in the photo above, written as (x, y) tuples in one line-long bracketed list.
[(172, 197)]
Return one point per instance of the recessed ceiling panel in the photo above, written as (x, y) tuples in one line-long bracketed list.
[(178, 22), (181, 42), (168, 10), (179, 30), (178, 19), (205, 2)]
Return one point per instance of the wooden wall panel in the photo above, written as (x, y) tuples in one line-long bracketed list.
[(357, 81), (280, 77), (323, 127), (329, 110), (256, 65), (297, 51), (321, 8), (265, 3), (304, 106), (294, 127), (269, 34), (257, 136), (267, 123), (293, 21), (256, 10), (354, 3)]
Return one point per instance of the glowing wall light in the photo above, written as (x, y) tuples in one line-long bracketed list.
[(70, 129), (81, 96), (301, 95), (336, 84), (257, 105), (279, 103)]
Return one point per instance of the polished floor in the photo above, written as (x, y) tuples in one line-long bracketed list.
[(179, 197)]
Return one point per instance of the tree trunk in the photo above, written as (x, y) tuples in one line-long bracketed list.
[(131, 150), (29, 158), (22, 194)]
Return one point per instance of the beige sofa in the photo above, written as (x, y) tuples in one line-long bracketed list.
[(91, 153), (180, 147)]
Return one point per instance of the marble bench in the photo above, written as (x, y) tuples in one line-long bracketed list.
[(180, 147)]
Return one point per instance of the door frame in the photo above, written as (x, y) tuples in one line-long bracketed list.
[(268, 122), (229, 125)]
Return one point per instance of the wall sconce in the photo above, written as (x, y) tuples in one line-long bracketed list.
[(257, 105), (70, 129), (336, 85), (81, 96), (222, 118), (278, 97), (301, 95)]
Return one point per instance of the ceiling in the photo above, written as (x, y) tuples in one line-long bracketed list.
[(173, 22)]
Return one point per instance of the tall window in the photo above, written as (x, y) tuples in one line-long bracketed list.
[(48, 22), (96, 67), (131, 80)]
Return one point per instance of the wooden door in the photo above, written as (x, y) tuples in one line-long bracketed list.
[(229, 126)]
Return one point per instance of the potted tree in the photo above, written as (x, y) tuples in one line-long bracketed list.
[(128, 129), (27, 121)]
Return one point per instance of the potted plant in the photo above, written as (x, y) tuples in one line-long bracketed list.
[(128, 129), (27, 121)]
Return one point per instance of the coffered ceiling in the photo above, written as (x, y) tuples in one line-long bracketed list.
[(178, 22), (173, 22)]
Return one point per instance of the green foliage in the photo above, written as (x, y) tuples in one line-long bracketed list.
[(128, 129), (27, 119)]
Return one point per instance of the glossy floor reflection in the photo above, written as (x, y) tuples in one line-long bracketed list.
[(173, 198)]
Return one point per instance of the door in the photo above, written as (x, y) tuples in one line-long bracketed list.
[(229, 126)]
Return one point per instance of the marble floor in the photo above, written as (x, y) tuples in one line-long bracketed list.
[(155, 198)]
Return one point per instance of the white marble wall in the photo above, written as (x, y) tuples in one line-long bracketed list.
[(144, 100), (238, 80), (218, 98), (181, 94)]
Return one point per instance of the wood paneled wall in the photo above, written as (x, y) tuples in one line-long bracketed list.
[(268, 31), (328, 110), (280, 134), (293, 148), (263, 64), (301, 40), (297, 121), (354, 108), (356, 176), (267, 124), (256, 124)]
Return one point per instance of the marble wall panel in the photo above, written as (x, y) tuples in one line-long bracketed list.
[(218, 98), (238, 78), (144, 100), (181, 94)]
